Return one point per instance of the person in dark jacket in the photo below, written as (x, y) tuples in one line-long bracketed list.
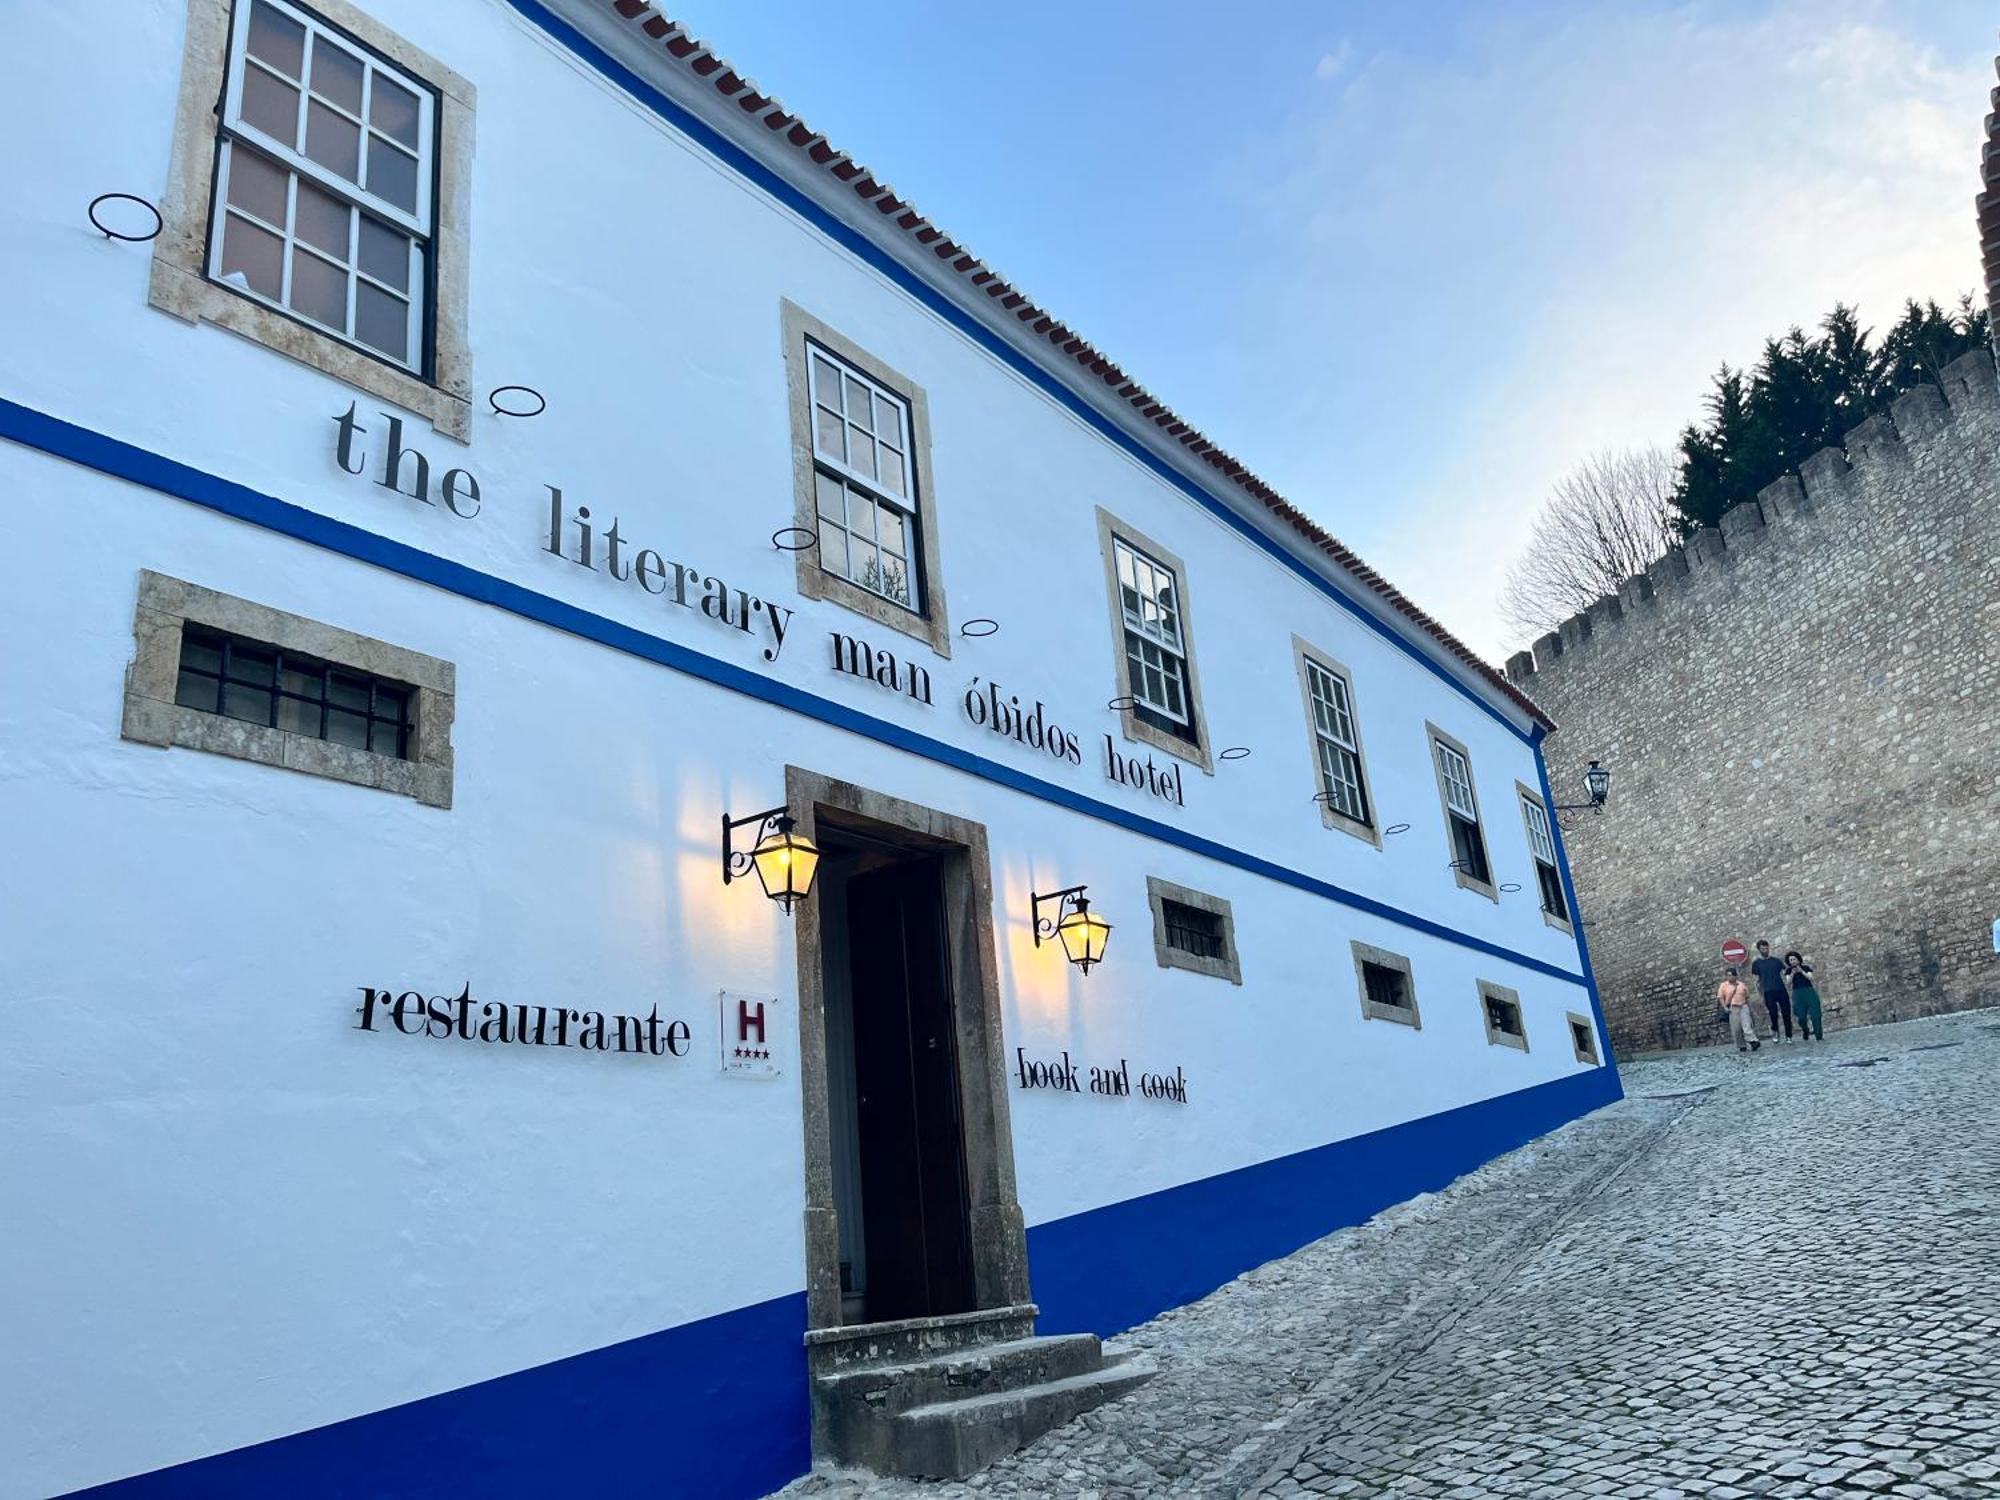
[(1770, 974), (1805, 996)]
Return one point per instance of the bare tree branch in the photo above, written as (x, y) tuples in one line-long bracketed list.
[(1603, 522)]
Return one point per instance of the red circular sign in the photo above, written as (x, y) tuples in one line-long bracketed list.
[(1733, 952)]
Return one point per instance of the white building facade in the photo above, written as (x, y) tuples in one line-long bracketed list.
[(521, 450)]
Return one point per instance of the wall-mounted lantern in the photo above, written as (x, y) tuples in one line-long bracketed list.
[(785, 861), (1596, 786), (1081, 931)]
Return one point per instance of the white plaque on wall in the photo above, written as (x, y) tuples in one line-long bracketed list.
[(751, 1036)]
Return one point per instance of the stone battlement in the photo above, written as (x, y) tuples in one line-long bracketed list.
[(1874, 466)]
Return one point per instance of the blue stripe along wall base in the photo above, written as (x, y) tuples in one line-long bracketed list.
[(719, 1408), (1108, 1269), (712, 1408)]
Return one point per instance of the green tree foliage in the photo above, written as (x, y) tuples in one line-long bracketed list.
[(1804, 394)]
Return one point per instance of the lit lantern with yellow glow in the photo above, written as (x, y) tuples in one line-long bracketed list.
[(785, 860), (1081, 931)]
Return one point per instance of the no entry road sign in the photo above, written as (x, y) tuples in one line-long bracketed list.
[(1733, 951)]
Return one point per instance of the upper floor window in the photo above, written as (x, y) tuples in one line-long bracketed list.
[(1342, 790), (1155, 649), (861, 467), (1542, 846), (1466, 837), (324, 182)]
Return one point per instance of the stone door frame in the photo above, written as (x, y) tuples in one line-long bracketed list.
[(999, 1235)]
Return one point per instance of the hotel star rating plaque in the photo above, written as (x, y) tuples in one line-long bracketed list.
[(750, 1036)]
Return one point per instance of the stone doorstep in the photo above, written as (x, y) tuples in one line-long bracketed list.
[(951, 1439), (896, 1387), (910, 1339)]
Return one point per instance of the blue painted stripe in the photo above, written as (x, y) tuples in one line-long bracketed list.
[(123, 460), (1112, 1268), (859, 245), (716, 1408), (1575, 906)]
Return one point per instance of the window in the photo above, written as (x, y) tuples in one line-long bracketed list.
[(264, 684), (860, 438), (1157, 692), (1542, 846), (1583, 1036), (1387, 986), (323, 197), (217, 673), (316, 198), (1340, 775), (1465, 838), (1193, 930), (1501, 1008)]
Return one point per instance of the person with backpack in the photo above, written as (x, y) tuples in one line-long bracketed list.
[(1770, 974), (1734, 998), (1805, 996)]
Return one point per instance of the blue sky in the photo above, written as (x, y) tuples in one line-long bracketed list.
[(1412, 261)]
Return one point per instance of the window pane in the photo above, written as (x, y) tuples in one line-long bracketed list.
[(333, 142), (271, 105), (857, 405), (385, 254), (833, 548), (888, 420), (393, 108), (248, 665), (826, 381), (301, 679), (890, 530), (861, 516), (240, 702), (205, 656), (382, 321), (891, 473), (385, 738), (319, 290), (344, 728), (832, 498), (196, 691), (277, 39), (322, 220), (347, 692), (861, 452), (336, 75), (256, 185), (298, 717), (829, 434), (253, 255), (392, 174)]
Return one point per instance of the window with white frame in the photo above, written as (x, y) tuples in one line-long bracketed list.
[(323, 201), (1149, 602), (1469, 862), (1343, 786), (863, 480), (1542, 845)]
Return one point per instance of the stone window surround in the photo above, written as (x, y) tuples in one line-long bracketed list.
[(1229, 966), (933, 625), (152, 717), (1584, 1054), (1381, 957), (1434, 737), (1329, 815), (1529, 794), (180, 283), (1494, 1035), (1134, 727)]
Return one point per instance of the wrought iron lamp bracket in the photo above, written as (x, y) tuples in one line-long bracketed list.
[(1066, 900), (736, 861)]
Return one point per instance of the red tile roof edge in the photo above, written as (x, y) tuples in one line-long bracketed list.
[(693, 57)]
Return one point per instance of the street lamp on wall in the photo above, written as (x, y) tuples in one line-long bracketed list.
[(785, 861), (1081, 931), (1596, 786)]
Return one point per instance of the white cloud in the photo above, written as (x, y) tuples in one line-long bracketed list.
[(1333, 63), (1581, 222)]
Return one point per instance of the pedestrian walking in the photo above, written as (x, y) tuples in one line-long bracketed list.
[(1770, 974), (1734, 997), (1805, 996)]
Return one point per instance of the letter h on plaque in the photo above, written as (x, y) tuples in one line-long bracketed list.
[(751, 1036)]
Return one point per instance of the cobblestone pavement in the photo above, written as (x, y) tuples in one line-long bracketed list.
[(1766, 1275)]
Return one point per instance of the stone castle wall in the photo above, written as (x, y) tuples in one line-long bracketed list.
[(1801, 710)]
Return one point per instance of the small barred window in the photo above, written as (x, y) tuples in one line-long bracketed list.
[(261, 684)]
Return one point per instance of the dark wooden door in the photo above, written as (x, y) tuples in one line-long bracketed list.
[(913, 1196)]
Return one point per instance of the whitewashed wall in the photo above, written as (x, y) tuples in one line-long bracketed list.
[(214, 1184)]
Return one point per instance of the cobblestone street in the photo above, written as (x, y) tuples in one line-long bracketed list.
[(1767, 1275)]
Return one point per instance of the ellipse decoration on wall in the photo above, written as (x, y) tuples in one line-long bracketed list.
[(1234, 752), (1395, 828), (517, 405), (978, 627), (1512, 885), (117, 234), (1122, 702), (788, 539)]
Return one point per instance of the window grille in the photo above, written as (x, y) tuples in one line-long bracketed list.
[(1155, 645), (863, 481), (1503, 1015), (1192, 930), (241, 679), (1386, 986), (323, 202), (1338, 745)]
